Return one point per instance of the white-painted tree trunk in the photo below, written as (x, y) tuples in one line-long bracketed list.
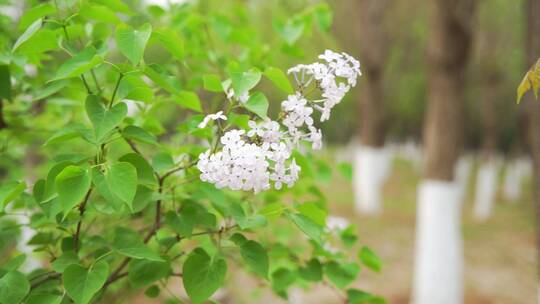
[(516, 172), (371, 169), (486, 188), (462, 174), (512, 181), (438, 273)]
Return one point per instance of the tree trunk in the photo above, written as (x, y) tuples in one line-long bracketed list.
[(439, 253), (371, 159), (486, 182), (532, 41)]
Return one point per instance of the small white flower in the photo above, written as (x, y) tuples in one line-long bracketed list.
[(216, 116), (337, 223)]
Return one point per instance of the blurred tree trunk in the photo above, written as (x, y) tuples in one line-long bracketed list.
[(438, 276), (486, 180), (374, 50), (490, 93), (532, 47), (448, 53), (371, 160)]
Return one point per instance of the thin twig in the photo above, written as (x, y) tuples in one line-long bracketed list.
[(82, 209)]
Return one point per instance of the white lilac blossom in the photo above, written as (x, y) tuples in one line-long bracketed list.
[(215, 116), (241, 99), (260, 157), (336, 223)]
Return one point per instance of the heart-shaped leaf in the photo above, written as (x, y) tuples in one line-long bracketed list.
[(279, 78), (129, 243), (244, 81), (131, 42), (82, 284), (122, 181), (71, 185), (203, 275), (258, 104), (104, 120), (255, 257)]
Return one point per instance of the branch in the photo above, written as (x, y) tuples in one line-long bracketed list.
[(50, 276), (82, 209), (3, 123)]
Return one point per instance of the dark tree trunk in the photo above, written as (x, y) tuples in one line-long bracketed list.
[(373, 48), (490, 93), (448, 53), (532, 11)]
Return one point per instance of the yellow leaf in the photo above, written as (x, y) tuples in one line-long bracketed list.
[(523, 87), (531, 80)]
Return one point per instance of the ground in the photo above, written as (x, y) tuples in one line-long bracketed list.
[(500, 255)]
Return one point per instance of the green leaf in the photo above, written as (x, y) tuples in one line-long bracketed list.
[(66, 133), (30, 31), (42, 41), (212, 83), (129, 243), (314, 213), (5, 82), (142, 198), (145, 173), (273, 210), (35, 13), (44, 297), (152, 292), (71, 185), (103, 188), (203, 275), (282, 278), (163, 79), (356, 296), (188, 100), (144, 272), (183, 222), (291, 31), (341, 274), (14, 286), (170, 41), (82, 284), (279, 79), (310, 228), (258, 104), (99, 13), (244, 81), (131, 42), (346, 171), (139, 134), (162, 161), (312, 271), (122, 181), (104, 120), (79, 64), (14, 263), (134, 88), (323, 16), (370, 259), (255, 257), (66, 259), (10, 191)]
